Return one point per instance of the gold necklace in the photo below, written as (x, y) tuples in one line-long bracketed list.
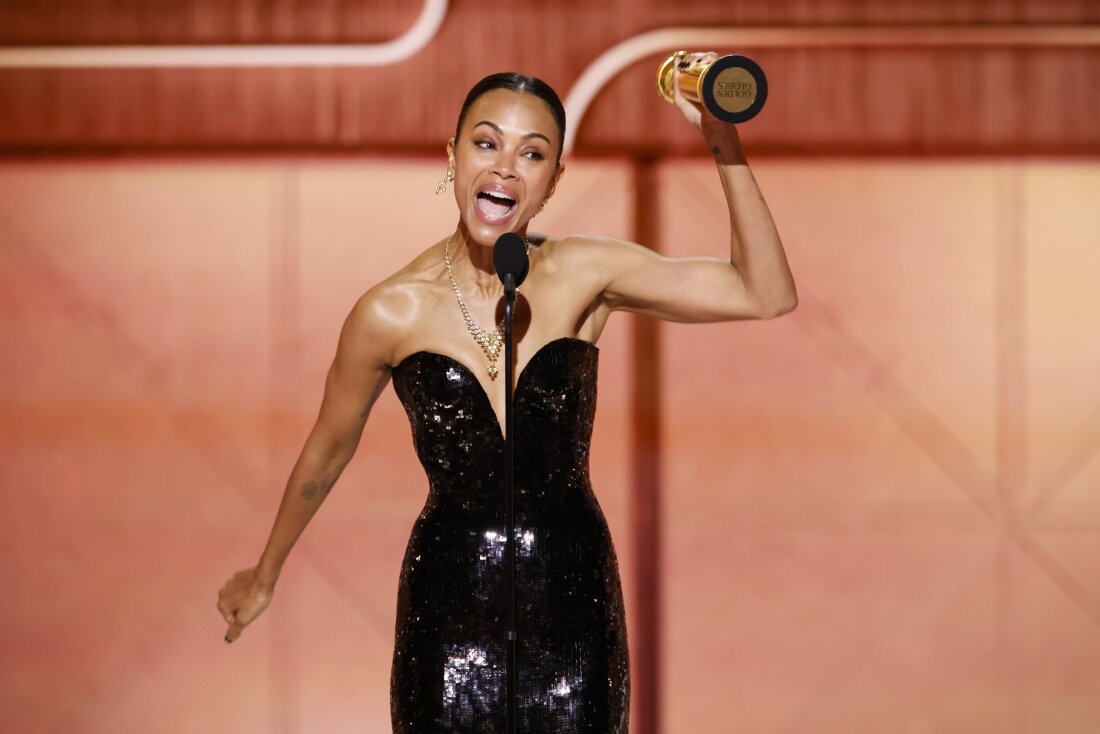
[(492, 343)]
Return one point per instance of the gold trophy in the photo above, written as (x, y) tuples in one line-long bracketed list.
[(732, 88)]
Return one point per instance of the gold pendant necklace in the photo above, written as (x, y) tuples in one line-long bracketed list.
[(492, 343)]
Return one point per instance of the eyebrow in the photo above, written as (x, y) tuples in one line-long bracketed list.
[(501, 132)]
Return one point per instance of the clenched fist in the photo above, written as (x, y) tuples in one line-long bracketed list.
[(241, 600)]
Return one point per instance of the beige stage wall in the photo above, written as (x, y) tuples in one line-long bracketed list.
[(880, 511)]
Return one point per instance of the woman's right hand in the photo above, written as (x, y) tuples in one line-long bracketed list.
[(356, 378), (241, 600)]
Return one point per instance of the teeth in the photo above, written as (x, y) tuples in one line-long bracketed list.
[(498, 195)]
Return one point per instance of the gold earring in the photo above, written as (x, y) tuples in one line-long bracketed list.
[(446, 180)]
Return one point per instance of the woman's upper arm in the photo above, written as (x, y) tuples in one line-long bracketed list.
[(357, 376), (687, 289)]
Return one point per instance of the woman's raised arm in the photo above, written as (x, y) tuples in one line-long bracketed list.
[(356, 378), (755, 282)]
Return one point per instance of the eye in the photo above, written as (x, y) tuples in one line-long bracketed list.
[(535, 155), (484, 144)]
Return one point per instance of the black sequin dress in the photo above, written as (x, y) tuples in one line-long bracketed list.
[(449, 671)]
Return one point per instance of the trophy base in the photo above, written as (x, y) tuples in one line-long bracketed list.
[(734, 89)]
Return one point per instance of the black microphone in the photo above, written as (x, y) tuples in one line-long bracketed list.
[(510, 258)]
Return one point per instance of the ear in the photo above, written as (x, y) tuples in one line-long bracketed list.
[(451, 152)]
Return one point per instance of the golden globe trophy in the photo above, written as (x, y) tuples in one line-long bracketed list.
[(732, 88)]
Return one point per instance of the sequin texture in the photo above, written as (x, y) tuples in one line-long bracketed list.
[(449, 665)]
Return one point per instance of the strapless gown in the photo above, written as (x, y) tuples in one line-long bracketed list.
[(449, 665)]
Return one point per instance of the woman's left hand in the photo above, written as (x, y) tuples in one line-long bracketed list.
[(695, 114), (722, 137)]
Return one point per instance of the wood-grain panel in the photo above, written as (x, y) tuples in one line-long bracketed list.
[(822, 101)]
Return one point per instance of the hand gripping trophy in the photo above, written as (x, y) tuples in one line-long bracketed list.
[(732, 88)]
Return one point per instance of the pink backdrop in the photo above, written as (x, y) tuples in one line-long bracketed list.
[(880, 509)]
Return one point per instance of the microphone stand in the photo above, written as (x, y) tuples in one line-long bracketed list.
[(511, 262), (509, 508)]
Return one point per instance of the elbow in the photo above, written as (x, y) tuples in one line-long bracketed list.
[(332, 452), (773, 310)]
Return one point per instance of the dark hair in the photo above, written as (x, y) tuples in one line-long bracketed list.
[(517, 83)]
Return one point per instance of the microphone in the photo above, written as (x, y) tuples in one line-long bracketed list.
[(510, 258)]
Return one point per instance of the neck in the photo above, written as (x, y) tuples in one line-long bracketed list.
[(479, 257)]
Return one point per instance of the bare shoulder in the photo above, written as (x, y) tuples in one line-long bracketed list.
[(595, 247), (383, 315), (597, 257)]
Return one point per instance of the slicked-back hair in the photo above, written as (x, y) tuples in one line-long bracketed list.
[(523, 84)]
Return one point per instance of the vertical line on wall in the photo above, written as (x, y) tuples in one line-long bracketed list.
[(285, 307), (1011, 308), (645, 451), (1011, 417)]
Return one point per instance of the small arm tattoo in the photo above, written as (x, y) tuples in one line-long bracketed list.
[(311, 490), (727, 152)]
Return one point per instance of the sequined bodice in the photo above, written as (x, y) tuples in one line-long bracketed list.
[(456, 429), (448, 667)]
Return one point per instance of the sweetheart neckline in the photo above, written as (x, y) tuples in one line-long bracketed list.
[(481, 389)]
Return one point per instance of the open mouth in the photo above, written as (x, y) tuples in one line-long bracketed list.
[(494, 206)]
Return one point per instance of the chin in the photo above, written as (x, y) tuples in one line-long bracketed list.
[(486, 234)]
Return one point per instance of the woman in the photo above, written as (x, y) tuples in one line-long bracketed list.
[(448, 666)]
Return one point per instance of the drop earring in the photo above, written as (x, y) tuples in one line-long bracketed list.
[(442, 186)]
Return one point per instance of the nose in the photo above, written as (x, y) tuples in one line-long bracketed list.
[(504, 166)]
